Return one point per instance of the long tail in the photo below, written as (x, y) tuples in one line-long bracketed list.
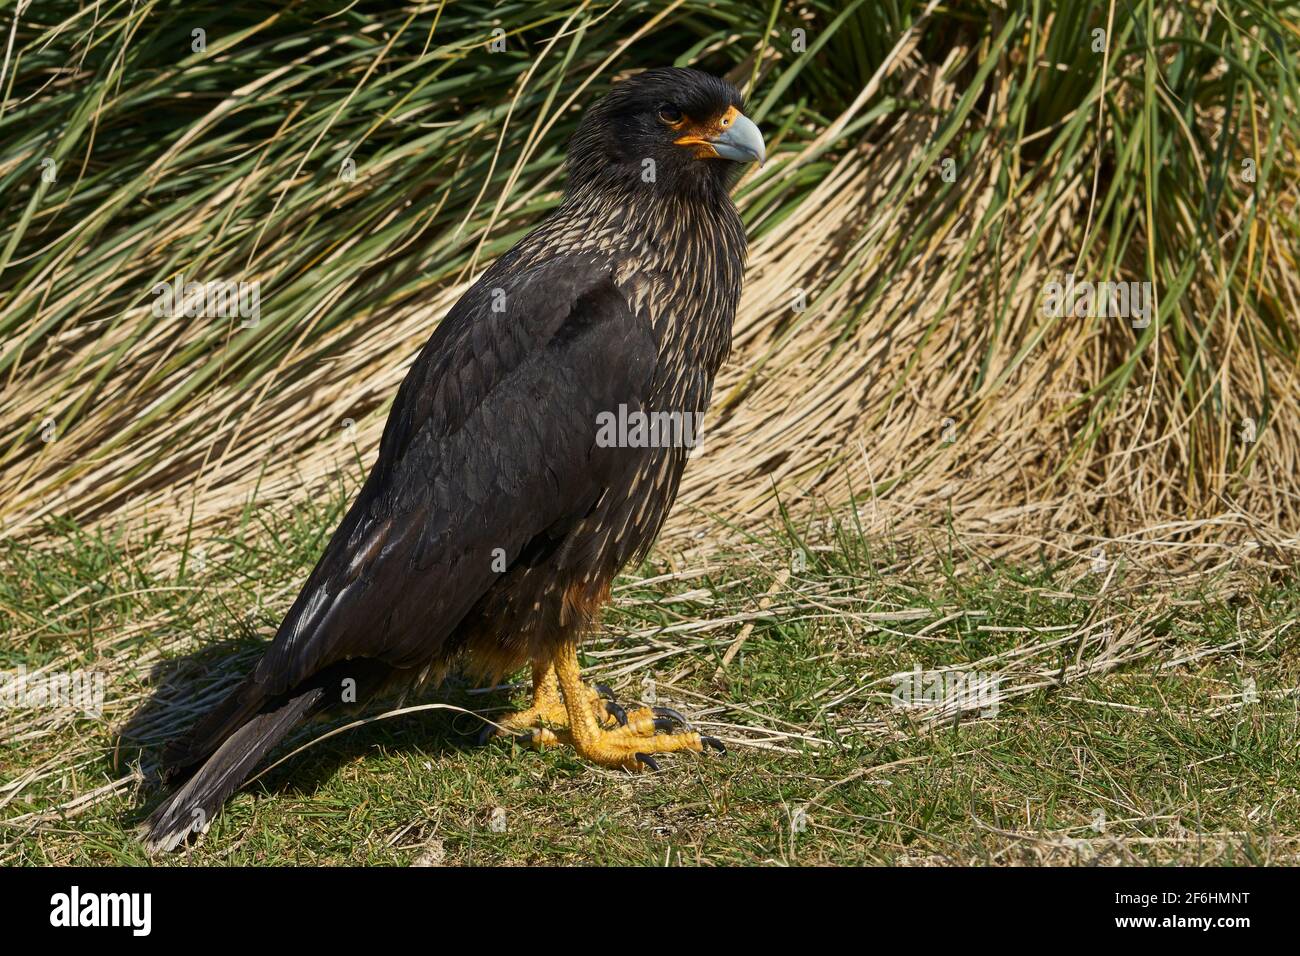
[(193, 806)]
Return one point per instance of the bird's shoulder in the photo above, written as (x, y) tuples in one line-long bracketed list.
[(518, 311), (490, 443)]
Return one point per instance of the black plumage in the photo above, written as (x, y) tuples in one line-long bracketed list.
[(493, 522)]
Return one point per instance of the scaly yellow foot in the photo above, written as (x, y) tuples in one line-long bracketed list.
[(548, 710), (628, 746)]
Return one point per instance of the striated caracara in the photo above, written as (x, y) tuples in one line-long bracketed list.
[(497, 515)]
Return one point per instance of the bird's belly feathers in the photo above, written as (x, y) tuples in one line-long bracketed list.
[(552, 592), (554, 595)]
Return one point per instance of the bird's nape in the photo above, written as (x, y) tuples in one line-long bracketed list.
[(671, 130)]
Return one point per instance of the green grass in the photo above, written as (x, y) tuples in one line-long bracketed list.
[(1181, 768)]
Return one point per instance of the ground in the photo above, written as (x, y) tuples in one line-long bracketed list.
[(1139, 721)]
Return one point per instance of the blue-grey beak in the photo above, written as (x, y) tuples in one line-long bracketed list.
[(740, 141)]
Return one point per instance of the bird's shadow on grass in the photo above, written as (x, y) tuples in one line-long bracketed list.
[(187, 686)]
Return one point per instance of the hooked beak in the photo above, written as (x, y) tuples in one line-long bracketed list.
[(732, 136), (740, 141)]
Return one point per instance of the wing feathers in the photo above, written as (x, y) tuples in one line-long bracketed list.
[(490, 443)]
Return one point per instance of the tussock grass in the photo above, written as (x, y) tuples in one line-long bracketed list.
[(922, 373)]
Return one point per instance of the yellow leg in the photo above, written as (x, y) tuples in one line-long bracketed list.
[(547, 710), (628, 747)]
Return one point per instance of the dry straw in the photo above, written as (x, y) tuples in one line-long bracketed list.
[(930, 175)]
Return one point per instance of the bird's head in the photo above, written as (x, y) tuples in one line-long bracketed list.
[(667, 130)]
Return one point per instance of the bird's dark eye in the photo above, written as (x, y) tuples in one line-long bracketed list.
[(670, 114)]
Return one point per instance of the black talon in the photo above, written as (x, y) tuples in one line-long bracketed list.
[(603, 690), (617, 712), (664, 723), (713, 742), (671, 715), (648, 760), (487, 733)]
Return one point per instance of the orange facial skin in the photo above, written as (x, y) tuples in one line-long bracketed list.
[(697, 135)]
